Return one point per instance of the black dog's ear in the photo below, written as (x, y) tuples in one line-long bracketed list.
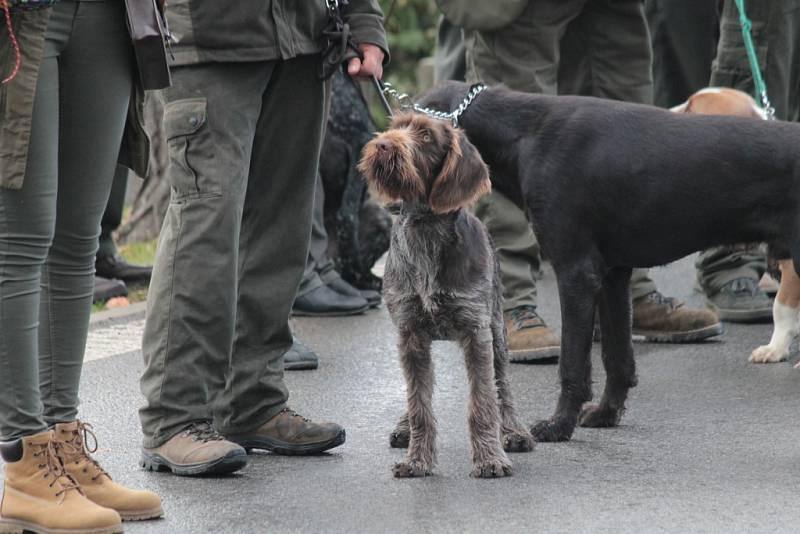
[(464, 177)]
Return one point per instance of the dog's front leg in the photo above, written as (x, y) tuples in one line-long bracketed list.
[(615, 324), (489, 460), (785, 316), (577, 291), (415, 357)]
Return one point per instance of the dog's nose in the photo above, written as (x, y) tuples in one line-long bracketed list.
[(383, 144)]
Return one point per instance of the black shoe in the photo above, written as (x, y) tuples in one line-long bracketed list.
[(117, 267), (741, 301), (325, 302), (340, 285), (105, 289), (300, 358)]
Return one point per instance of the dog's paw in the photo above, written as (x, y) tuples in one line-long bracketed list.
[(551, 431), (493, 468), (518, 440), (399, 439), (767, 354), (411, 469), (593, 416)]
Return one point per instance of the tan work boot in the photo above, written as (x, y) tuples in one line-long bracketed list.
[(131, 505), (529, 338), (666, 320), (292, 434), (40, 496), (197, 450)]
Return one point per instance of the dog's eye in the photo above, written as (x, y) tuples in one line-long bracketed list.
[(426, 137)]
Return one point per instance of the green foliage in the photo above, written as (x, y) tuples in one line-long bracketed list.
[(411, 26)]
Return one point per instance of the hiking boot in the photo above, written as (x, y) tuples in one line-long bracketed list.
[(116, 267), (325, 302), (529, 338), (667, 320), (292, 434), (197, 450), (96, 483), (340, 285), (40, 496), (741, 301), (300, 358)]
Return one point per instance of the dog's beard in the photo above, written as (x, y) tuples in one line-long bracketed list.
[(391, 173)]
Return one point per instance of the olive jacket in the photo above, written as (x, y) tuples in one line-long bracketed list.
[(16, 103)]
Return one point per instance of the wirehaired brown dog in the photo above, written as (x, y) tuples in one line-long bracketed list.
[(442, 282)]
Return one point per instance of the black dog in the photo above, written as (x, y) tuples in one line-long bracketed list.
[(610, 186)]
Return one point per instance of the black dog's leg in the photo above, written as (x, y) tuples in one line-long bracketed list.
[(577, 290), (615, 325), (516, 437), (415, 356)]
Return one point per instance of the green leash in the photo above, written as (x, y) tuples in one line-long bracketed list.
[(758, 80)]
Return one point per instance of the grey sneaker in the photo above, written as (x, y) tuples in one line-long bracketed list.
[(197, 450), (741, 301)]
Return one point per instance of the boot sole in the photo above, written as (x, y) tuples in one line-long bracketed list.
[(688, 336), (143, 515), (230, 463), (281, 447), (342, 313), (743, 316), (17, 526), (300, 366), (534, 355)]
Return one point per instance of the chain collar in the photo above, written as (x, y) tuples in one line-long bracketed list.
[(452, 116)]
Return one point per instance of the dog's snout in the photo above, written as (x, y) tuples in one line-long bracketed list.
[(383, 145)]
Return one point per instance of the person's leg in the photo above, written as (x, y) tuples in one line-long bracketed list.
[(96, 82), (619, 67), (109, 264), (210, 117), (524, 56), (684, 36), (273, 248), (450, 55)]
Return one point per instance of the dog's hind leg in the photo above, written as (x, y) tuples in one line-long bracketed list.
[(615, 325), (415, 356), (516, 437), (489, 460), (785, 318), (577, 289)]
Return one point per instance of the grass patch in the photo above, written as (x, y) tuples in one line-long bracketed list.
[(139, 253)]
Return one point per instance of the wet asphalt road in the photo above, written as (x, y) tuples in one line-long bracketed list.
[(709, 443)]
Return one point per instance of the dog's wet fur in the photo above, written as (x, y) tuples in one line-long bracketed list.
[(442, 282), (610, 186)]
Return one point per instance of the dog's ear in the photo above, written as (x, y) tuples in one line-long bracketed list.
[(464, 177)]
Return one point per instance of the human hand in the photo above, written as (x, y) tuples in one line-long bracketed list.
[(372, 65)]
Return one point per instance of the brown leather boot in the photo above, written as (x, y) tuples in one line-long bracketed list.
[(529, 338), (40, 496), (197, 450), (667, 320), (131, 505), (292, 434)]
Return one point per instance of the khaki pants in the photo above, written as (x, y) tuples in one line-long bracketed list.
[(590, 47), (244, 140)]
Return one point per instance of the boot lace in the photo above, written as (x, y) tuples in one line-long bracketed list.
[(54, 468), (295, 414), (657, 298), (203, 432), (526, 317), (77, 450)]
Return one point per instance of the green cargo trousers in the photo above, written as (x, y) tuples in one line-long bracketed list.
[(49, 227), (244, 140), (776, 32), (599, 48)]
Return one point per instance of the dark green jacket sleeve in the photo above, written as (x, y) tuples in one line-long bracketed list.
[(366, 22)]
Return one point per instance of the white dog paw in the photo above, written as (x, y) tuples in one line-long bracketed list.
[(768, 354)]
